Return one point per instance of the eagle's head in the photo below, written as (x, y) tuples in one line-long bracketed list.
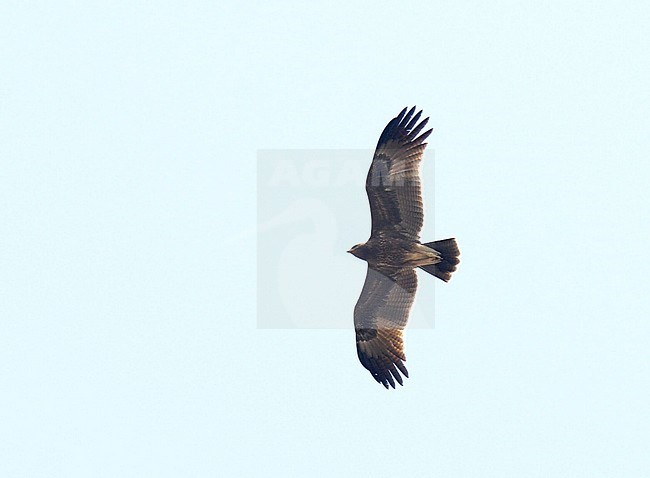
[(360, 250)]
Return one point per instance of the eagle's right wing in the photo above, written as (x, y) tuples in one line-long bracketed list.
[(380, 316), (393, 181)]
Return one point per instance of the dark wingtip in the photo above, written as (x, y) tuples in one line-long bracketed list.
[(402, 368), (424, 135), (407, 117), (413, 121), (405, 128)]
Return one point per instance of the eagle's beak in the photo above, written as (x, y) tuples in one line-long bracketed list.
[(350, 251)]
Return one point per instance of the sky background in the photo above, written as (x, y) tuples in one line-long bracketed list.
[(129, 135)]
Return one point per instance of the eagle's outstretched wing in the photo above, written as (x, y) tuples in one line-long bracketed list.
[(380, 316), (393, 182)]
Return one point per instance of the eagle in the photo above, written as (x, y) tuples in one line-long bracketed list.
[(394, 250)]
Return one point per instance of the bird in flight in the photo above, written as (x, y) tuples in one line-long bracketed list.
[(394, 250)]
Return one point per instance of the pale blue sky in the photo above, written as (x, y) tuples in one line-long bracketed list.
[(128, 338)]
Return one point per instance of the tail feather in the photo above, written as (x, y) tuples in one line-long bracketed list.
[(449, 251)]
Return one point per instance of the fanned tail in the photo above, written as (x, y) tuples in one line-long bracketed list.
[(449, 251)]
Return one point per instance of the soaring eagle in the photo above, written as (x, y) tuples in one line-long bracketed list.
[(394, 249)]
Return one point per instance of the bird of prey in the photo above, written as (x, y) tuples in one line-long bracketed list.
[(394, 250)]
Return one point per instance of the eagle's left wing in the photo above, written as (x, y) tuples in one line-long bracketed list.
[(393, 181), (380, 316)]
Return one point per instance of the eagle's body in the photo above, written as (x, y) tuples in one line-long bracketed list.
[(393, 250)]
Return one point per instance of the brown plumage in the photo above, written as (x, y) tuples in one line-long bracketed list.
[(393, 250)]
